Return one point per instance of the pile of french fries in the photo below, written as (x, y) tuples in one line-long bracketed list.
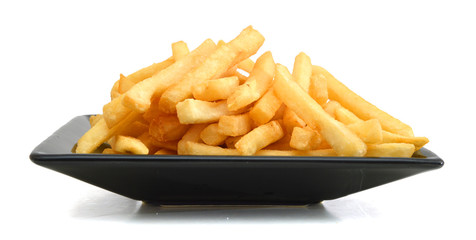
[(215, 100)]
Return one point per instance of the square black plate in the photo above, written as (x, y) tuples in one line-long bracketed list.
[(174, 180)]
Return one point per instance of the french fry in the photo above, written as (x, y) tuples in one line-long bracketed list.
[(212, 136), (166, 128), (360, 107), (402, 150), (94, 119), (312, 153), (302, 71), (259, 81), (342, 140), (331, 107), (135, 129), (99, 133), (281, 144), (192, 135), (115, 90), (246, 65), (124, 84), (226, 56), (179, 50), (305, 139), (291, 120), (389, 137), (234, 125), (231, 141), (109, 151), (129, 145), (216, 89), (139, 96), (191, 111), (265, 108), (318, 87), (259, 138), (149, 142), (165, 152), (194, 148), (369, 131), (345, 116)]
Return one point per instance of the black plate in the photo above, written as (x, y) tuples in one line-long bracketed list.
[(224, 179)]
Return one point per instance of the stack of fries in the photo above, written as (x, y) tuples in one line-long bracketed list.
[(215, 100)]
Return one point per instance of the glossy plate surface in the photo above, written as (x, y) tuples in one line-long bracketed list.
[(223, 179)]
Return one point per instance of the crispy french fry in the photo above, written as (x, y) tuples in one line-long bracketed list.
[(94, 119), (281, 144), (129, 145), (226, 56), (342, 140), (345, 116), (403, 150), (302, 71), (115, 90), (165, 152), (389, 137), (148, 141), (212, 136), (265, 109), (305, 139), (191, 111), (149, 71), (259, 138), (134, 129), (231, 141), (216, 89), (369, 131), (179, 50), (167, 128), (246, 65), (331, 107), (313, 153), (291, 120), (363, 109), (256, 85), (194, 148), (234, 125), (192, 135), (100, 133), (318, 87), (139, 96)]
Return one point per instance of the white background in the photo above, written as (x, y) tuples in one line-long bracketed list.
[(414, 59)]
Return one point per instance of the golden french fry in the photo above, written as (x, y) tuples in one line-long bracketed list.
[(342, 140), (331, 107), (369, 131), (363, 109), (179, 50), (345, 116), (291, 120), (281, 144), (403, 150), (305, 139), (148, 141), (139, 96), (115, 90), (216, 89), (389, 137), (226, 56), (192, 135), (318, 87), (246, 65), (124, 84), (165, 152), (166, 128), (302, 71), (212, 136), (100, 133), (313, 153), (231, 141), (259, 138), (265, 109), (191, 111), (129, 145), (194, 148), (94, 119), (149, 71), (134, 129), (234, 125), (256, 85)]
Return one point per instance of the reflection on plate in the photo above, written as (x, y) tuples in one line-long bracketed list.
[(175, 180)]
